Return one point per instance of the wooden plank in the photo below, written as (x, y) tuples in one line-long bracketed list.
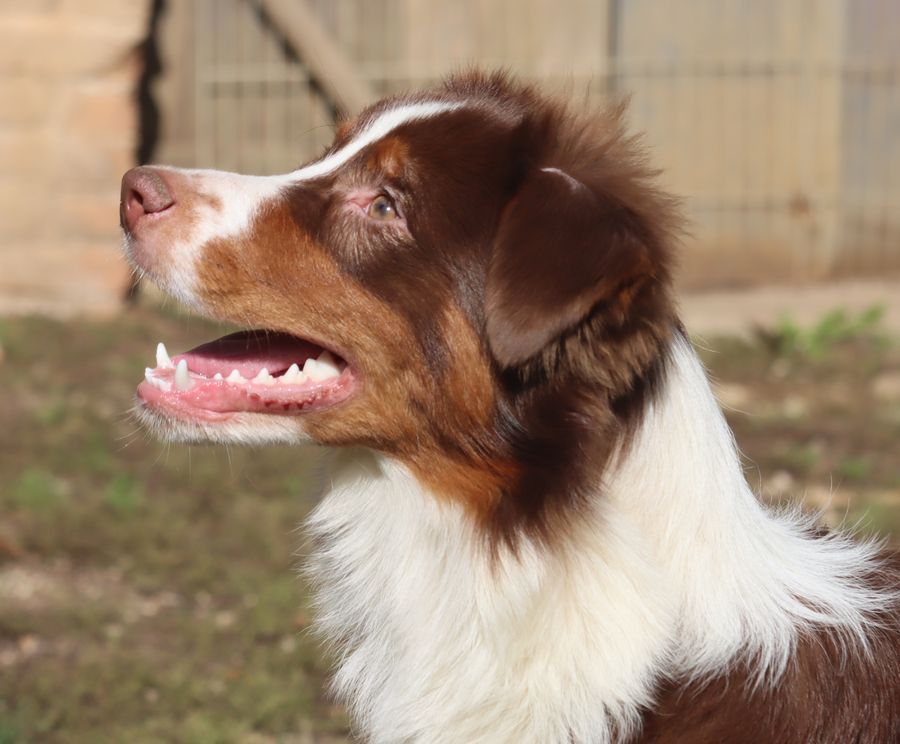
[(325, 60)]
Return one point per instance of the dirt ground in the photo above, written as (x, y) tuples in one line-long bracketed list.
[(149, 593)]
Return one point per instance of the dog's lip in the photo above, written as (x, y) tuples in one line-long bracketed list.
[(258, 371), (217, 400)]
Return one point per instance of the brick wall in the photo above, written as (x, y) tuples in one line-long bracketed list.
[(68, 129)]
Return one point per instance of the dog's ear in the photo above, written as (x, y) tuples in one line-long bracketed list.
[(561, 249)]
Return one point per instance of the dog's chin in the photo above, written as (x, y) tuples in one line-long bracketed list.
[(238, 428)]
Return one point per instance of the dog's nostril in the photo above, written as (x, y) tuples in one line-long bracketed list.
[(144, 191)]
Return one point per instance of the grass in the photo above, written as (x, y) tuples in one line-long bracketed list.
[(148, 593), (834, 329)]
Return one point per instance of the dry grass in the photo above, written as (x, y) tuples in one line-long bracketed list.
[(148, 593)]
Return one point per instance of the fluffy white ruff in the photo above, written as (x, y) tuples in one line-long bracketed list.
[(677, 570)]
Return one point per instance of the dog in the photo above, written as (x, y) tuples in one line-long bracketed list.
[(535, 526)]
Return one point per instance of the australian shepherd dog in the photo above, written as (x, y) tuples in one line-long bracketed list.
[(535, 526)]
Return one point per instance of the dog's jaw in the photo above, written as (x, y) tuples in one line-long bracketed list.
[(239, 428)]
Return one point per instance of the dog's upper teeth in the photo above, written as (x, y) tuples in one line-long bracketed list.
[(264, 378), (183, 380), (235, 377), (162, 357)]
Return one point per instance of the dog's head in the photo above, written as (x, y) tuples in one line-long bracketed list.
[(474, 280)]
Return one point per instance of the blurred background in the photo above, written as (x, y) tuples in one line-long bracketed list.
[(147, 593)]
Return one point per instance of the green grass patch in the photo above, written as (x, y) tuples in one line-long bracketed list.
[(37, 490), (171, 610), (834, 328)]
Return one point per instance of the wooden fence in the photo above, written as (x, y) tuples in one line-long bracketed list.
[(777, 122)]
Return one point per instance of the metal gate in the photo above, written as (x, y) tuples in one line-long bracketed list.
[(778, 122)]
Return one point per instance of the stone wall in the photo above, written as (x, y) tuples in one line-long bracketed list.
[(68, 130)]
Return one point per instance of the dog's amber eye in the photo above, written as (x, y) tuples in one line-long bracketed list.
[(382, 209)]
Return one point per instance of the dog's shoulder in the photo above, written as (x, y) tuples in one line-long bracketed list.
[(834, 690)]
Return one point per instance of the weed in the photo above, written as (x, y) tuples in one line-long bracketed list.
[(37, 490), (51, 413), (854, 468), (8, 733), (789, 339), (124, 494), (801, 459)]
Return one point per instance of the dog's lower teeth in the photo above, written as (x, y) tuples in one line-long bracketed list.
[(327, 366), (264, 378), (323, 368), (292, 375), (182, 378)]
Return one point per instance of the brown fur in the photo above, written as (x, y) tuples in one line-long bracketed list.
[(501, 431), (830, 694), (509, 332)]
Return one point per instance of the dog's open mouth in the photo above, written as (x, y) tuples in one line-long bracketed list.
[(250, 371)]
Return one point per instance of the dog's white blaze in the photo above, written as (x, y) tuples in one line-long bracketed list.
[(677, 569), (381, 126), (235, 199)]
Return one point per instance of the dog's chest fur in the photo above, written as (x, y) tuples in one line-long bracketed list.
[(676, 573), (440, 642)]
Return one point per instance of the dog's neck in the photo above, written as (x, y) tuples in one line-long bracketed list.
[(676, 571)]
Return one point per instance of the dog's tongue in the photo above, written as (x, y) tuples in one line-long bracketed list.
[(248, 352)]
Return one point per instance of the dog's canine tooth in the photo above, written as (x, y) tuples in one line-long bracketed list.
[(162, 357), (182, 378)]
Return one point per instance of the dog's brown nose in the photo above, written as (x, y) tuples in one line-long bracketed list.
[(144, 191)]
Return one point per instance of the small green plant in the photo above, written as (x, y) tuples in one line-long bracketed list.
[(36, 490), (835, 327), (8, 733), (802, 459), (123, 494), (854, 469)]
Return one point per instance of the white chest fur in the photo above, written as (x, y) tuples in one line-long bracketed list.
[(675, 570)]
